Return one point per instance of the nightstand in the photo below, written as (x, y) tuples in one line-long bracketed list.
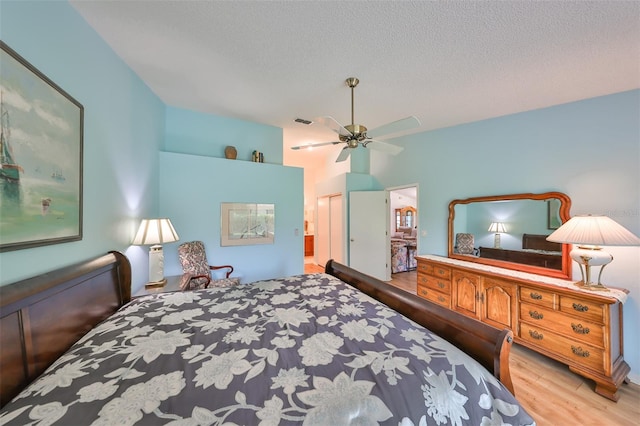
[(173, 284)]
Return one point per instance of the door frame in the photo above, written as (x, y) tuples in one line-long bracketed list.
[(392, 215)]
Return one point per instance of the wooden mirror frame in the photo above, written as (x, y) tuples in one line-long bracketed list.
[(403, 215), (565, 206)]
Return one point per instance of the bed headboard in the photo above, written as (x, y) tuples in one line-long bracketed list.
[(41, 317), (539, 242)]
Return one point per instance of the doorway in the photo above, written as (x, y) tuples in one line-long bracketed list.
[(403, 226)]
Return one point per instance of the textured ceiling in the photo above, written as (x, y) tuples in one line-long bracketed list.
[(446, 62)]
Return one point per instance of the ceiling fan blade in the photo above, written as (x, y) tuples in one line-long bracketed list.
[(344, 154), (313, 145), (410, 122), (384, 147), (331, 123)]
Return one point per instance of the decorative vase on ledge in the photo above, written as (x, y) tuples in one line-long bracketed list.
[(230, 152)]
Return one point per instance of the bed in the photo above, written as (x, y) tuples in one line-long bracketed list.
[(536, 251), (334, 348)]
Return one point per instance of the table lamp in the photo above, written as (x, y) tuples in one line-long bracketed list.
[(589, 233), (155, 232), (497, 227)]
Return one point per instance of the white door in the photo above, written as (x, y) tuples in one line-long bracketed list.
[(322, 230), (369, 249), (329, 230), (337, 235)]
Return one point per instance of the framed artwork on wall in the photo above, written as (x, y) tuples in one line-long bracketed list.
[(247, 224), (40, 158)]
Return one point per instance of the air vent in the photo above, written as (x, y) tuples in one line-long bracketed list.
[(303, 121)]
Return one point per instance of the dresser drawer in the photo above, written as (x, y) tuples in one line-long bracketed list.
[(440, 284), (425, 267), (434, 296), (441, 272), (573, 328), (582, 309), (580, 353), (539, 297)]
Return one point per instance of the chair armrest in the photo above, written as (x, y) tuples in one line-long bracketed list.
[(222, 267), (185, 281)]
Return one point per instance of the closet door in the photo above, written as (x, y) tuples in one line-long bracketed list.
[(336, 251), (323, 251)]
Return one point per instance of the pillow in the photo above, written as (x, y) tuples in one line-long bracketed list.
[(414, 232), (398, 235)]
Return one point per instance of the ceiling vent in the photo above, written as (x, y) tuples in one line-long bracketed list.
[(303, 121)]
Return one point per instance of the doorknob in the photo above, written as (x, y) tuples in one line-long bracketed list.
[(352, 240)]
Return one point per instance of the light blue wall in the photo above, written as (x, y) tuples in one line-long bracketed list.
[(123, 131), (590, 150), (519, 217), (191, 132), (193, 188), (125, 127)]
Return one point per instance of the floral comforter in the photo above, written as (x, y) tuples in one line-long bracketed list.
[(307, 349)]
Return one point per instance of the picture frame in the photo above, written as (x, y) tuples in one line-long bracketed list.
[(245, 224), (553, 214), (41, 156)]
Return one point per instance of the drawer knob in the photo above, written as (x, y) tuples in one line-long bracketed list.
[(578, 328), (535, 335), (579, 351), (580, 308), (535, 296), (441, 299), (424, 280), (423, 291), (536, 315), (440, 284)]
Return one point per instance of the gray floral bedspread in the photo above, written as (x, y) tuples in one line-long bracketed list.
[(307, 349)]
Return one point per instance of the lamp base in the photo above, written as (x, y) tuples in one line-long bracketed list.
[(160, 283), (591, 286)]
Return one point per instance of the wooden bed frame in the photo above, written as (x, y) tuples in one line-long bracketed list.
[(41, 317), (529, 242)]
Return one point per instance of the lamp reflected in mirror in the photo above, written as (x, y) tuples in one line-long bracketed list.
[(589, 233), (498, 228)]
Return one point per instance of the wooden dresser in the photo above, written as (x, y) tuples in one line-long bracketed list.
[(551, 316)]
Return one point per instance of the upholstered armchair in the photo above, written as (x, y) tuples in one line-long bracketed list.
[(197, 269), (398, 257), (465, 244)]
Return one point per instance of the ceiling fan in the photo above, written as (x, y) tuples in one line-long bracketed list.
[(356, 134)]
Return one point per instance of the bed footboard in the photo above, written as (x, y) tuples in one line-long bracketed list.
[(41, 317), (486, 344)]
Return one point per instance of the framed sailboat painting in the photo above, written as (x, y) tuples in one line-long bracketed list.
[(40, 158)]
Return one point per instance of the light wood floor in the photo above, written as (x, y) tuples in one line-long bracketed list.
[(551, 393)]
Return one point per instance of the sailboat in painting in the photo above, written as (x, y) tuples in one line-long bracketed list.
[(9, 169)]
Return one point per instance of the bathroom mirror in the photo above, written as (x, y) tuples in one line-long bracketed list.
[(509, 231)]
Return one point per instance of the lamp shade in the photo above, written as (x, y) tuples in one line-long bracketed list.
[(497, 227), (593, 230), (155, 231)]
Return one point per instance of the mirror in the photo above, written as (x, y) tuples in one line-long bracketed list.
[(406, 217), (509, 231)]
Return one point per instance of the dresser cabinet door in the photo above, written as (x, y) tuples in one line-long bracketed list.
[(498, 306), (466, 293)]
